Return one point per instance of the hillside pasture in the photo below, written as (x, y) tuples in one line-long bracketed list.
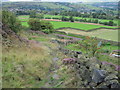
[(25, 24), (81, 26), (101, 33), (23, 16)]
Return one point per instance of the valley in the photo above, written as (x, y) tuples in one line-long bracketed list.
[(52, 45)]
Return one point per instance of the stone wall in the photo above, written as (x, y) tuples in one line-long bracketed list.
[(88, 30), (92, 73), (103, 40)]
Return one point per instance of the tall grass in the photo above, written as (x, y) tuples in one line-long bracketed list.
[(26, 66)]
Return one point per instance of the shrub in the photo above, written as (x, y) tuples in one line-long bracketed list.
[(32, 14), (47, 27), (105, 51), (44, 26), (47, 17), (95, 21), (34, 24), (89, 21), (9, 19), (77, 19), (40, 16), (55, 18), (90, 46), (64, 18), (71, 19), (110, 23)]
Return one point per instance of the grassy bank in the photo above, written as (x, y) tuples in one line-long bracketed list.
[(26, 66)]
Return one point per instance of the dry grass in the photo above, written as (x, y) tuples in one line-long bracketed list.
[(25, 66)]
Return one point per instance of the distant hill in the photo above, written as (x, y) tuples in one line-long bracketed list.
[(58, 6), (50, 6), (105, 5)]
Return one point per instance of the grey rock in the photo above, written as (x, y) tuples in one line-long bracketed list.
[(79, 56), (98, 75), (108, 68), (115, 85), (112, 82), (94, 65), (102, 85), (77, 52), (92, 84), (85, 83), (54, 41), (55, 59), (56, 76), (77, 66), (111, 77)]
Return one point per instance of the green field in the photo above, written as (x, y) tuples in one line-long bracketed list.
[(81, 26), (23, 16), (101, 33), (25, 24)]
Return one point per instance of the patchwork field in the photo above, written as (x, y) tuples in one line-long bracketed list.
[(80, 26), (58, 16), (101, 33)]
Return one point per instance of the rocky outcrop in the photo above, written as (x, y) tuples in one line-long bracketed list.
[(92, 73)]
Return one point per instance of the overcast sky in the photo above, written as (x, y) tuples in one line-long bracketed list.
[(70, 0)]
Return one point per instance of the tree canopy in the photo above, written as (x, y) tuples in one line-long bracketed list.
[(39, 25), (10, 21)]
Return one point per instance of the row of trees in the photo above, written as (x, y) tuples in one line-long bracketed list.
[(33, 14), (109, 23), (98, 14), (71, 19)]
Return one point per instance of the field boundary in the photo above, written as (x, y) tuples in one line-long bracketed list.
[(103, 40), (116, 28), (58, 20), (88, 30)]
